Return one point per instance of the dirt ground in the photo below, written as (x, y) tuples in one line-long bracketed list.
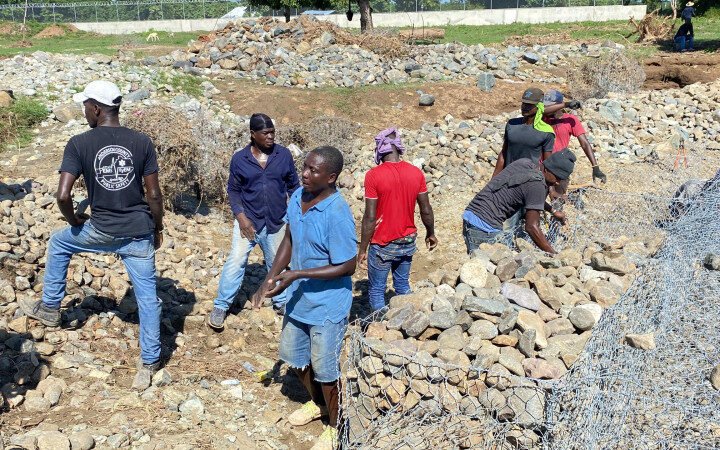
[(672, 70), (377, 107)]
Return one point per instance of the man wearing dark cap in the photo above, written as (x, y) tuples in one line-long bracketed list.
[(120, 170), (521, 185), (262, 178), (526, 136), (566, 126)]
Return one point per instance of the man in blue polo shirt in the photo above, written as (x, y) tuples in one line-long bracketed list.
[(262, 176), (320, 244)]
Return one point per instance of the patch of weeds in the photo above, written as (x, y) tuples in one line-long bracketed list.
[(188, 84), (18, 120)]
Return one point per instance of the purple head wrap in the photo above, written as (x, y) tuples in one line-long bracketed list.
[(384, 143)]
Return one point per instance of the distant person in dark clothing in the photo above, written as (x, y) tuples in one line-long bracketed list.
[(684, 38), (523, 185), (688, 12), (262, 178)]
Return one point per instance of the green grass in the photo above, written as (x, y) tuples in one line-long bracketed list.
[(179, 82), (84, 43), (707, 30), (18, 120)]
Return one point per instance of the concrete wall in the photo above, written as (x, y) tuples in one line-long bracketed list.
[(428, 18)]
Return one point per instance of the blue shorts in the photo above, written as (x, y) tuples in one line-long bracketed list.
[(317, 345)]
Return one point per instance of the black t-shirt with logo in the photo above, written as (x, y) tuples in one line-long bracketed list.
[(113, 162)]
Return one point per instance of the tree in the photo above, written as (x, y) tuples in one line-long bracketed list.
[(365, 15), (287, 5)]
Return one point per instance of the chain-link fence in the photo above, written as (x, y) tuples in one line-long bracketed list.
[(206, 9)]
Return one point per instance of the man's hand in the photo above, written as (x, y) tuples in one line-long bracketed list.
[(574, 104), (246, 227), (598, 174), (280, 282), (560, 217), (78, 219), (431, 242), (158, 235), (362, 259)]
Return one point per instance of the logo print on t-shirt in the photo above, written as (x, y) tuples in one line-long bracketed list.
[(114, 168)]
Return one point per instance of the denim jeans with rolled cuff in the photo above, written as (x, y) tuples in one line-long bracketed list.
[(138, 255), (395, 258), (474, 236), (233, 270)]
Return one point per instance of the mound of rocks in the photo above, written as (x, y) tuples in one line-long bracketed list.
[(280, 54)]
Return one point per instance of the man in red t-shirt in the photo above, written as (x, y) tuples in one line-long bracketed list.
[(566, 126), (391, 191)]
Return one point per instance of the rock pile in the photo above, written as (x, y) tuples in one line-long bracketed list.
[(280, 54), (478, 338)]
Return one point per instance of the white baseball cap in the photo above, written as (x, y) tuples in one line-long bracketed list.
[(102, 91)]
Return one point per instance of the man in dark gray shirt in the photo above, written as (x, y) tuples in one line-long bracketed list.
[(522, 184), (527, 136)]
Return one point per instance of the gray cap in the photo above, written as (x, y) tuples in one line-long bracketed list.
[(561, 164)]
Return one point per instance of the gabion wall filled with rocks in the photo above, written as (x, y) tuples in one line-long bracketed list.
[(518, 350)]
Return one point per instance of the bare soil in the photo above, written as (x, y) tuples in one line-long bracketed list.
[(51, 31), (374, 108), (673, 70)]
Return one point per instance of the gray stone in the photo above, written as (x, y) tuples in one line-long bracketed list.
[(612, 262), (639, 341), (82, 440), (584, 317), (474, 273), (484, 305), (486, 81), (137, 96), (192, 406), (52, 440), (416, 323), (531, 57), (527, 341), (483, 329), (612, 111), (527, 404), (161, 378), (452, 338), (506, 268), (712, 261), (715, 377), (37, 404), (442, 319), (507, 322), (527, 298), (117, 440), (67, 112), (427, 100)]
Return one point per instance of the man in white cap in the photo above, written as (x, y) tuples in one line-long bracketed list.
[(120, 170)]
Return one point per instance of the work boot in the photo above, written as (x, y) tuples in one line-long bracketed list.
[(143, 377), (38, 311), (306, 414), (216, 319), (328, 440)]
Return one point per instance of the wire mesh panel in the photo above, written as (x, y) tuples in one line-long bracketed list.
[(616, 394)]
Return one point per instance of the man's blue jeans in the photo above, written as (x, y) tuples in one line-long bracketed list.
[(383, 259), (138, 255), (233, 271), (475, 236), (684, 43)]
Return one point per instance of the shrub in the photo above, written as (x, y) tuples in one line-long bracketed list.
[(18, 120), (612, 72)]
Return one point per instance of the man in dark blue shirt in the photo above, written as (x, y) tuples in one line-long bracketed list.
[(262, 177)]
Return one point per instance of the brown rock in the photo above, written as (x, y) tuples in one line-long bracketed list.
[(530, 321), (540, 369), (228, 64), (5, 99), (505, 340), (641, 341)]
